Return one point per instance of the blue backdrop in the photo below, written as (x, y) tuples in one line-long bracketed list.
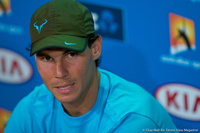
[(154, 43)]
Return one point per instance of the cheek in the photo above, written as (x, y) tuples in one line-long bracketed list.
[(82, 66), (85, 71), (45, 71)]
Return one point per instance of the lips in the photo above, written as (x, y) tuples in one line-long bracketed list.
[(65, 89)]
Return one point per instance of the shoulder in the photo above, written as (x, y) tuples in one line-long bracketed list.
[(120, 88), (127, 99), (29, 108), (40, 95)]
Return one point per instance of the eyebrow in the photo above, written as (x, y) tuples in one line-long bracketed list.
[(40, 54), (66, 51)]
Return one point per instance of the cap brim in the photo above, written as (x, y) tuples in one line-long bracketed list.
[(60, 41)]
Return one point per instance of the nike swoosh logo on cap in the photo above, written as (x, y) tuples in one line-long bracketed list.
[(70, 43)]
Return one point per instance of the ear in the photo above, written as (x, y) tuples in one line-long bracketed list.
[(97, 48)]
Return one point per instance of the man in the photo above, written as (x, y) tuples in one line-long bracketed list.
[(76, 96)]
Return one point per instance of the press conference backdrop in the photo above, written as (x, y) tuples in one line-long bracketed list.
[(154, 43)]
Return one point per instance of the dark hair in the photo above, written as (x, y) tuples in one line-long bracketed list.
[(91, 39)]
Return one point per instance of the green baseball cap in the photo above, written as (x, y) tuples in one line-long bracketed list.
[(61, 24)]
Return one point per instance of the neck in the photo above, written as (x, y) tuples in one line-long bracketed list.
[(87, 100)]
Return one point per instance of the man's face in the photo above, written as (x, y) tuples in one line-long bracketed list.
[(67, 74)]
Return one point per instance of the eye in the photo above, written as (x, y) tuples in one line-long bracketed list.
[(47, 58), (71, 54)]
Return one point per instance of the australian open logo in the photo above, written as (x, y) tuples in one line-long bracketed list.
[(182, 42), (39, 27), (182, 34)]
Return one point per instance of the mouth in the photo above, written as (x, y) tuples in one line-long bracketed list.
[(65, 89)]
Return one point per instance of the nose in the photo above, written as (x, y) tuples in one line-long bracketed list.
[(61, 70)]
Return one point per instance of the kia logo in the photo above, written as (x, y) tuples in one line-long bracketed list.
[(180, 100), (14, 68)]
